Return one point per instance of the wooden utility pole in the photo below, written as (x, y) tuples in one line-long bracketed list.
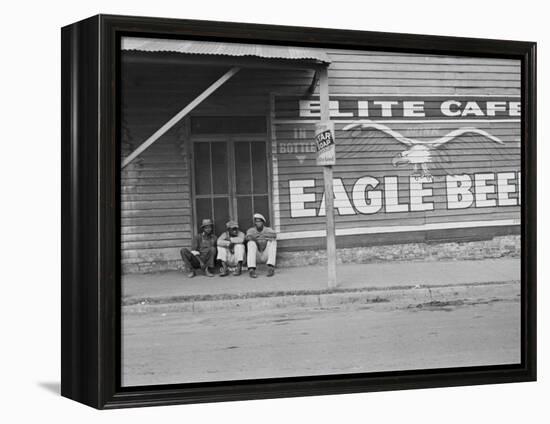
[(328, 179)]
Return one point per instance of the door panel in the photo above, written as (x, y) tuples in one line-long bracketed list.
[(251, 181), (221, 214), (203, 180), (212, 192), (245, 212), (259, 168), (219, 168)]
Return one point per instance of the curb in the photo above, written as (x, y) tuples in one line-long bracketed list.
[(390, 297)]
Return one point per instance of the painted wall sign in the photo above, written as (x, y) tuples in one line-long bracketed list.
[(403, 161), (324, 143), (400, 107)]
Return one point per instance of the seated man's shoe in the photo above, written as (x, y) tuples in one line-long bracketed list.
[(237, 271), (252, 273), (224, 271), (207, 272), (270, 271), (191, 274)]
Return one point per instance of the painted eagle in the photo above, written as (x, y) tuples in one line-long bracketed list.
[(420, 153)]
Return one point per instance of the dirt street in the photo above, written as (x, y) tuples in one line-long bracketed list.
[(178, 347)]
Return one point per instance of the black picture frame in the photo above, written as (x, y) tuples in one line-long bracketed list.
[(90, 286)]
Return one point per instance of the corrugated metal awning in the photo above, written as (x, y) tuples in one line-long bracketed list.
[(224, 49)]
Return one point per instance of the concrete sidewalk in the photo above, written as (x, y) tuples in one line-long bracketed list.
[(174, 286)]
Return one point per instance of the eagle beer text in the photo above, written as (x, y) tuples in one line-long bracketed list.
[(370, 195)]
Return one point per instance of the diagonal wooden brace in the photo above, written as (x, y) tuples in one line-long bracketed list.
[(179, 116)]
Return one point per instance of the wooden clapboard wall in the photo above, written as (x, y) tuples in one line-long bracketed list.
[(156, 209), (371, 74)]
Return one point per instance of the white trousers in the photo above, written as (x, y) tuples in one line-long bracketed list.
[(267, 256), (225, 255)]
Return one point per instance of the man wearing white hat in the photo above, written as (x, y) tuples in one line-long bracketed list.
[(262, 246), (231, 249)]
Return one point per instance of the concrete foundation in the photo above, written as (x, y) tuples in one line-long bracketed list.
[(497, 247)]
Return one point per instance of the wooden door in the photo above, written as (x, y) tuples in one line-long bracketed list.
[(230, 180)]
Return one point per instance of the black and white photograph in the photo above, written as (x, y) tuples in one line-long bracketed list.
[(292, 211), (266, 213)]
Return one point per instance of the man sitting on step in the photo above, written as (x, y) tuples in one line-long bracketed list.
[(262, 246), (203, 250), (231, 249)]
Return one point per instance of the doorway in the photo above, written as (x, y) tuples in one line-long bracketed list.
[(230, 179)]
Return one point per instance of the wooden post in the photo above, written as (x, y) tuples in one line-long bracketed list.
[(328, 179), (179, 116)]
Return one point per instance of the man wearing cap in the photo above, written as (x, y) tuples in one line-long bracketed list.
[(203, 250), (262, 246), (231, 249)]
